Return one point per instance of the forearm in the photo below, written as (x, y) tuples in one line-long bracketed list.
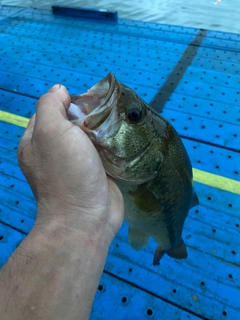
[(52, 275)]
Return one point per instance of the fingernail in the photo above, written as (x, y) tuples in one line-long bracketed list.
[(55, 88)]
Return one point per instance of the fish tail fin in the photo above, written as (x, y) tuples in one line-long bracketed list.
[(159, 253), (195, 200), (178, 252), (137, 239)]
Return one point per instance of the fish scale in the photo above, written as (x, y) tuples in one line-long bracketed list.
[(147, 159)]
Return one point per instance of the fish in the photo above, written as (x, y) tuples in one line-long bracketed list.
[(142, 152)]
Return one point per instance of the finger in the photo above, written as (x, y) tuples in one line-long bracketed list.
[(23, 150), (25, 147), (52, 107), (117, 205), (27, 135), (62, 93), (30, 126)]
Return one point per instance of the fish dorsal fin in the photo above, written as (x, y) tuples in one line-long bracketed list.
[(178, 252), (137, 239), (195, 200)]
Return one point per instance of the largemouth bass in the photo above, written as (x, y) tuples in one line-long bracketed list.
[(145, 156)]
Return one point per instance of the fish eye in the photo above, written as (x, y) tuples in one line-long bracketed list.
[(135, 114)]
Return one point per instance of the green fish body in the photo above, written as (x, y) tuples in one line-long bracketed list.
[(145, 156)]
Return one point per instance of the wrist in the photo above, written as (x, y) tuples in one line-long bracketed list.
[(72, 225), (56, 266), (69, 249)]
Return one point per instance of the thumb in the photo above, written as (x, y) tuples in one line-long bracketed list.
[(52, 107), (60, 92)]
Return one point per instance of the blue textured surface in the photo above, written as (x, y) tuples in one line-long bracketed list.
[(199, 71)]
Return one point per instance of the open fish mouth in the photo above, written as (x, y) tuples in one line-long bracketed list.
[(98, 113), (95, 111)]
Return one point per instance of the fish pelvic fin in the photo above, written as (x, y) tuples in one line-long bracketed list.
[(195, 200), (159, 253), (137, 239), (178, 252)]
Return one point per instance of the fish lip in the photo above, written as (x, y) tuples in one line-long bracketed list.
[(112, 83), (94, 107), (110, 79)]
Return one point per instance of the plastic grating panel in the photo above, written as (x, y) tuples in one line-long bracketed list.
[(9, 240), (128, 302), (194, 77), (9, 11)]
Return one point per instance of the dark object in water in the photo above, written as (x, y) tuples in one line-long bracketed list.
[(75, 12)]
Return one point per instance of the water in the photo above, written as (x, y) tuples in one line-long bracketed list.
[(222, 15)]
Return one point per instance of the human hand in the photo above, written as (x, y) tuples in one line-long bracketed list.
[(65, 172)]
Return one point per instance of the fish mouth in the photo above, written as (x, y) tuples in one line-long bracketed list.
[(95, 110), (97, 113)]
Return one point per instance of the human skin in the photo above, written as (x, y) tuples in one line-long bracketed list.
[(55, 271)]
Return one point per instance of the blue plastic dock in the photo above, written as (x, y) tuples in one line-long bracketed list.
[(193, 77)]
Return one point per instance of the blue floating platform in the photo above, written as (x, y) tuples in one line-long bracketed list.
[(84, 13), (189, 75)]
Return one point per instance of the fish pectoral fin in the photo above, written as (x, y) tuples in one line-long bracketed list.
[(145, 200), (178, 252), (195, 200), (158, 255), (137, 239)]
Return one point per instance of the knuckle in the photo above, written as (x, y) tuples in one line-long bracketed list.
[(23, 154)]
